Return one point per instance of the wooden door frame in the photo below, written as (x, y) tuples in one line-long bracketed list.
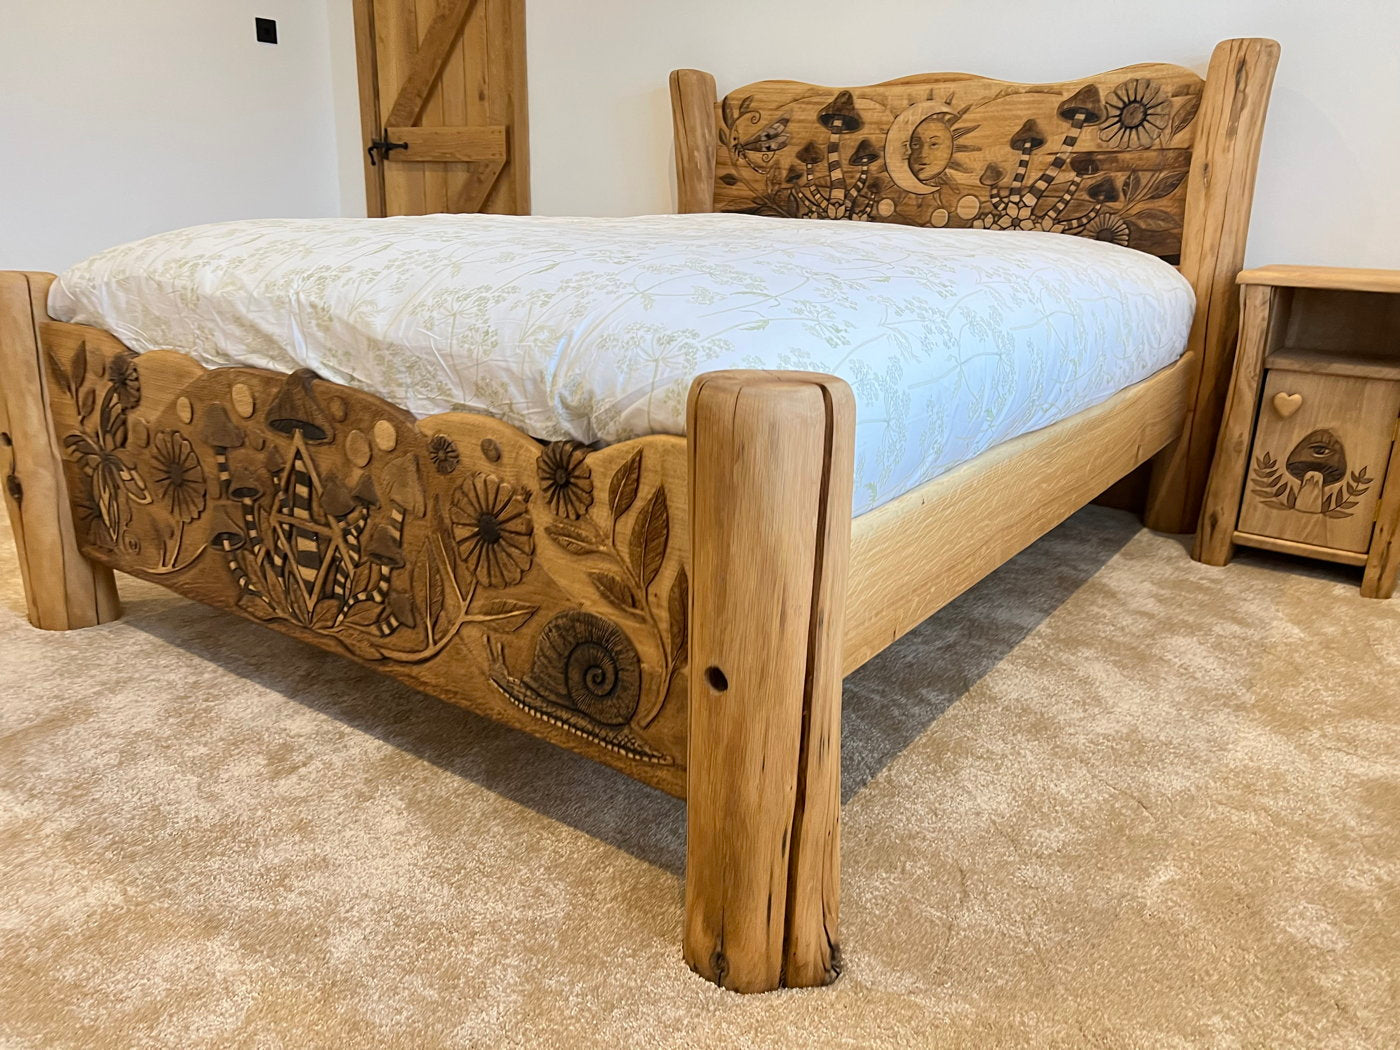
[(372, 121)]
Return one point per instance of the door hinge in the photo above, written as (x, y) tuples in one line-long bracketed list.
[(383, 147)]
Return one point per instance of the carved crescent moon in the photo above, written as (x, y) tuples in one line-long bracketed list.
[(897, 143)]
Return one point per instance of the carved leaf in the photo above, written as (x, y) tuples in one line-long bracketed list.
[(502, 615), (649, 537), (435, 595), (1165, 185), (79, 368), (580, 537), (678, 614), (1186, 110), (616, 590), (1132, 185), (622, 489), (88, 401), (1152, 219), (327, 609), (364, 614)]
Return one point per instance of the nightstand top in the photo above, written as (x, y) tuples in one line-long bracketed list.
[(1340, 278)]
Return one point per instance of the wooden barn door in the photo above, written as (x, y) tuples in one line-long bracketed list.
[(442, 105)]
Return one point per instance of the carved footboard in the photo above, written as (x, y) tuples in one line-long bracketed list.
[(543, 585), (546, 585)]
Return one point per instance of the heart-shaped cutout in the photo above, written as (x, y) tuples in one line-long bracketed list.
[(1286, 404)]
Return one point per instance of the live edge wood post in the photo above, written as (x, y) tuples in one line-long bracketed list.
[(61, 587), (693, 100), (1219, 195), (770, 504)]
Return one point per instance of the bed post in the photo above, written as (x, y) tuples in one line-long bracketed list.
[(1220, 191), (693, 119), (61, 587), (770, 503)]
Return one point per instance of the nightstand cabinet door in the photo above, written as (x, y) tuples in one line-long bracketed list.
[(1321, 448)]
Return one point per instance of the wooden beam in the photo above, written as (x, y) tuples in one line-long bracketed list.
[(62, 588), (368, 76), (449, 144), (771, 461), (913, 555), (426, 67), (696, 139), (1219, 196)]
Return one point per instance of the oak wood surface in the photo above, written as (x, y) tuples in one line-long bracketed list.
[(916, 553), (1321, 447), (63, 589), (1261, 327), (1104, 157), (1323, 362), (542, 584), (1383, 558), (693, 124), (1302, 550), (1337, 278), (445, 78), (771, 460), (1218, 203)]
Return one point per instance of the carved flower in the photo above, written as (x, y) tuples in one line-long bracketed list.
[(178, 477), (442, 451), (125, 380), (1109, 227), (493, 530), (1137, 115), (565, 478)]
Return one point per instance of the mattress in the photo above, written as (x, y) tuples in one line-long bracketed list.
[(592, 328)]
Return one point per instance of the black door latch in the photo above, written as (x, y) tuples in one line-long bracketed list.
[(383, 147)]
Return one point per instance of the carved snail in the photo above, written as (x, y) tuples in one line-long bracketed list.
[(584, 662)]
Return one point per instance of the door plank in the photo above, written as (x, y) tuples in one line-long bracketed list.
[(478, 183), (431, 53), (449, 144)]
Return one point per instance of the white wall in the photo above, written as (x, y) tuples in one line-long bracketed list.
[(600, 123), (121, 118)]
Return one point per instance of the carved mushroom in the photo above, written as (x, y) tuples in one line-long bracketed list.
[(246, 485), (226, 532), (336, 498), (839, 117), (384, 548), (1085, 106), (364, 493), (1104, 191), (401, 609), (217, 429), (295, 410), (1028, 137), (1320, 452)]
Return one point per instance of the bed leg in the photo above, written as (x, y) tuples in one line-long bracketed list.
[(770, 504), (61, 587)]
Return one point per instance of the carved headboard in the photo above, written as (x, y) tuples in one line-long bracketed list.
[(1107, 157), (1150, 156)]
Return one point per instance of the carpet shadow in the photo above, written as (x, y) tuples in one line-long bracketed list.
[(888, 702)]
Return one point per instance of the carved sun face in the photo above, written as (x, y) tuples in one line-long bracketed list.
[(923, 147)]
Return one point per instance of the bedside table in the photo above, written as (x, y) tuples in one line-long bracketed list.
[(1304, 463)]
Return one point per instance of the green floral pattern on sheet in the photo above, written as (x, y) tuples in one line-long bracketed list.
[(592, 329)]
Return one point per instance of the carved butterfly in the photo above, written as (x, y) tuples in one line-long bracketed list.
[(114, 480)]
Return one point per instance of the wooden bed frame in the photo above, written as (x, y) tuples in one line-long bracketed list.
[(683, 610)]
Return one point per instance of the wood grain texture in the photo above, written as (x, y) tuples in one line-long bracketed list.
[(1218, 203), (1315, 469), (1297, 549), (693, 104), (446, 78), (1337, 278), (1214, 543), (541, 584), (1104, 157), (1383, 558), (916, 553), (62, 588), (771, 461), (1329, 363)]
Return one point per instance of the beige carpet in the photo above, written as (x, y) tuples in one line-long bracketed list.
[(1109, 798)]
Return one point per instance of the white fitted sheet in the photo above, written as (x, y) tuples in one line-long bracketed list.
[(952, 340)]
